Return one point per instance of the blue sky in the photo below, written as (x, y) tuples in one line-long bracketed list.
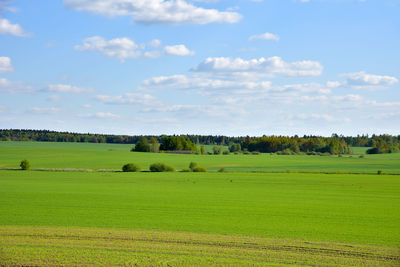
[(241, 67)]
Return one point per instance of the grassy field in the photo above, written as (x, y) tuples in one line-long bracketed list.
[(247, 216), (346, 208), (113, 156), (39, 246)]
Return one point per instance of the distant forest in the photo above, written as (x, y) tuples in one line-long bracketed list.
[(336, 144)]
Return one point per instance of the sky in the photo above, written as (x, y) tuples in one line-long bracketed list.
[(218, 67)]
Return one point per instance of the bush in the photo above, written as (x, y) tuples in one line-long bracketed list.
[(222, 170), (255, 153), (186, 170), (161, 167), (199, 169), (226, 152), (361, 156), (130, 167), (25, 165), (380, 172), (192, 165)]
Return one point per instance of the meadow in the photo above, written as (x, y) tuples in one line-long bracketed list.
[(260, 212)]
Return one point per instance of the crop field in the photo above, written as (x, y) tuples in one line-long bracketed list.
[(113, 156), (260, 212), (82, 246)]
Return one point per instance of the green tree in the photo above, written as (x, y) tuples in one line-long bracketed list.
[(142, 145), (25, 165), (217, 150), (192, 165), (154, 145)]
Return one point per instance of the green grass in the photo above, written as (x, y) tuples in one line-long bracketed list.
[(61, 246), (112, 156), (360, 150), (345, 208)]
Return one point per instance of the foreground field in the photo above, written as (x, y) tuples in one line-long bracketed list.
[(344, 208), (27, 246), (113, 156)]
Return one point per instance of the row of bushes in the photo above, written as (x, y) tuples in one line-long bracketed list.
[(161, 167)]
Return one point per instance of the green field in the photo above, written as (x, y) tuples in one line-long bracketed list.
[(248, 216), (113, 156)]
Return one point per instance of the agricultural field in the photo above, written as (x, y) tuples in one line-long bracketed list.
[(113, 156), (266, 210)]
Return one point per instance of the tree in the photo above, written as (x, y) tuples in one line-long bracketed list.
[(154, 145), (142, 145), (217, 150), (192, 165), (202, 150), (25, 165)]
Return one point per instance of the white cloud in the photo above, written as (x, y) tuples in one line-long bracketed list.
[(265, 36), (264, 67), (155, 11), (333, 84), (66, 88), (178, 50), (125, 48), (129, 99), (6, 27), (102, 115), (10, 87), (43, 111), (5, 64), (155, 43), (121, 48), (362, 79)]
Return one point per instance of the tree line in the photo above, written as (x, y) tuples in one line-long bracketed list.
[(336, 144)]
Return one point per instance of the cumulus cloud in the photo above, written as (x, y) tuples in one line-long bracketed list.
[(121, 48), (125, 48), (5, 64), (155, 11), (155, 43), (362, 79), (66, 88), (265, 67), (264, 36), (178, 50), (6, 27)]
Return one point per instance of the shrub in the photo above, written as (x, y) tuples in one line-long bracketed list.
[(192, 165), (199, 169), (380, 172), (186, 170), (373, 150), (222, 170), (361, 156), (130, 167), (161, 167), (226, 152), (255, 153), (25, 165)]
